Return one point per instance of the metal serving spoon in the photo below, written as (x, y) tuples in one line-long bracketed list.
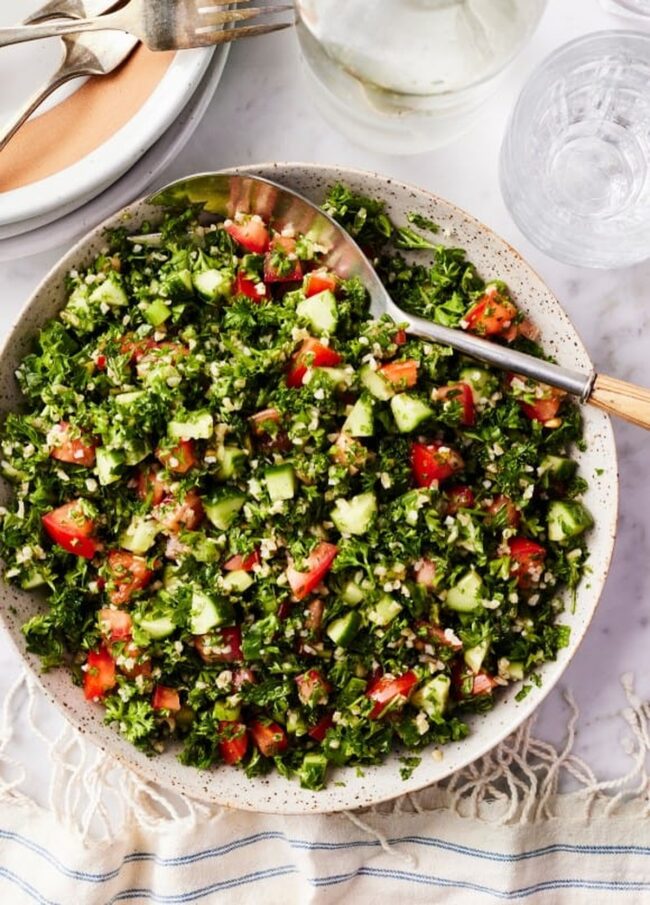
[(223, 195)]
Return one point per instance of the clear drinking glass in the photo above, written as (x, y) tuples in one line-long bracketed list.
[(575, 162), (404, 76)]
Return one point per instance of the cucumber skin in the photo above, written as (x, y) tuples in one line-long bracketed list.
[(343, 630)]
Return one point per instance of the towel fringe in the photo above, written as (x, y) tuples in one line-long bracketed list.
[(516, 783)]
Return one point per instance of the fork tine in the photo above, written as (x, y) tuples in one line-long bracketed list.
[(211, 17), (213, 37)]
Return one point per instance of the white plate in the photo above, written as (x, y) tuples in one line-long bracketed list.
[(495, 259), (39, 234), (23, 68)]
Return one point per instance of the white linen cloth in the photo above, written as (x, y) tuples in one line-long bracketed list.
[(497, 831)]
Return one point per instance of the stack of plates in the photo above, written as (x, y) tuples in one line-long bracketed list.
[(95, 145)]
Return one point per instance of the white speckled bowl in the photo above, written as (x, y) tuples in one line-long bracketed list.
[(494, 259)]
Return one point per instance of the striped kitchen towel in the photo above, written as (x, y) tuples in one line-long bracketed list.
[(86, 832)]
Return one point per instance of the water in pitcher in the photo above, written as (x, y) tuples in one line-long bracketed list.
[(406, 75)]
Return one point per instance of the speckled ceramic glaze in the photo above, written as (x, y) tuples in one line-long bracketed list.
[(494, 259)]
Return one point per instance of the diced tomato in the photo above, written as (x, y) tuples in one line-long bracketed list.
[(239, 563), (313, 688), (67, 447), (99, 675), (462, 393), (434, 462), (234, 741), (318, 564), (250, 231), (319, 731), (319, 281), (151, 486), (180, 458), (286, 248), (140, 664), (174, 515), (100, 362), (401, 374), (243, 676), (385, 690), (115, 625), (262, 421), (400, 338), (270, 738), (72, 530), (136, 348), (492, 315), (311, 354), (128, 574), (527, 561), (468, 684), (427, 632), (459, 497), (426, 574), (503, 507), (314, 617), (248, 287), (165, 698), (547, 400), (220, 646)]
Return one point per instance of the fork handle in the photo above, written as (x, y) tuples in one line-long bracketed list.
[(20, 33), (617, 397), (63, 75)]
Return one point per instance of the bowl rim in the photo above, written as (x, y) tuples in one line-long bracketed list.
[(116, 746)]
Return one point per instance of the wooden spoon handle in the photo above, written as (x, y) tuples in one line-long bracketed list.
[(620, 398)]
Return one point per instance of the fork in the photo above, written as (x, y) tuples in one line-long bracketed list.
[(161, 24), (92, 54)]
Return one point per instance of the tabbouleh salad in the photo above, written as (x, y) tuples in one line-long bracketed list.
[(274, 529)]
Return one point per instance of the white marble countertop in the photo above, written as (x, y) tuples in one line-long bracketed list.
[(260, 113)]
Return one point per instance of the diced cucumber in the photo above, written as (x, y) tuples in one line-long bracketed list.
[(136, 451), (79, 313), (160, 372), (109, 464), (482, 382), (376, 384), (280, 481), (320, 312), (567, 519), (178, 285), (343, 630), (207, 612), (224, 710), (295, 724), (512, 669), (433, 696), (355, 516), (204, 549), (223, 511), (128, 400), (231, 460), (237, 581), (352, 593), (213, 284), (157, 627), (558, 467), (33, 579), (195, 426), (340, 377), (171, 581), (474, 656), (110, 292), (385, 610), (312, 771), (157, 312), (140, 535), (359, 422), (409, 412), (466, 595)]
